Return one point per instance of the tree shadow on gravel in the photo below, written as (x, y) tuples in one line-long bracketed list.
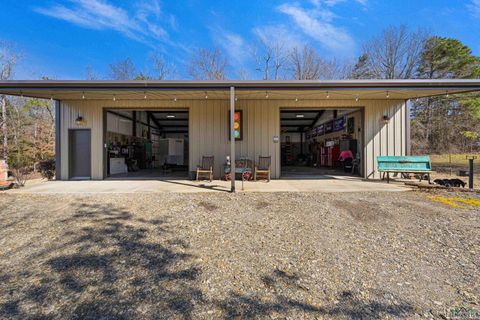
[(108, 264), (284, 285)]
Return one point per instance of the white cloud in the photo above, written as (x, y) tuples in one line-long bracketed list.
[(332, 3), (142, 24), (233, 44), (279, 34), (474, 7), (317, 23)]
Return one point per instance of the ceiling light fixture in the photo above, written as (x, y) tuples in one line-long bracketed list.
[(266, 95), (296, 99), (114, 98), (83, 95), (328, 95), (357, 98), (175, 99), (388, 95), (299, 115), (206, 95), (170, 116), (144, 95)]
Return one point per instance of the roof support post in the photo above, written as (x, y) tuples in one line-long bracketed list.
[(408, 138), (232, 138)]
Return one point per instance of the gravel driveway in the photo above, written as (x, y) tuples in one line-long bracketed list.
[(275, 255)]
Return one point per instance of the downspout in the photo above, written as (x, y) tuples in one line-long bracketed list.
[(232, 138)]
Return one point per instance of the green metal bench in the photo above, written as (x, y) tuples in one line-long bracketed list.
[(404, 165)]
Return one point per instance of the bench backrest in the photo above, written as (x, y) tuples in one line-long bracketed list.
[(412, 163)]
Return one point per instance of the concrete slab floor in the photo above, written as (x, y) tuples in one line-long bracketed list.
[(319, 184)]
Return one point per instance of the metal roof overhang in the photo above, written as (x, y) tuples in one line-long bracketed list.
[(170, 89)]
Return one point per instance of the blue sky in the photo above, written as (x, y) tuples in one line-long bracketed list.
[(60, 38)]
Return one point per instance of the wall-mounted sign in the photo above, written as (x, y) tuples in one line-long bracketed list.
[(328, 127), (338, 124), (237, 125), (351, 125), (276, 139), (321, 130)]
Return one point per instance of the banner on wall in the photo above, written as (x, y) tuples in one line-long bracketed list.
[(321, 129), (338, 124), (328, 127)]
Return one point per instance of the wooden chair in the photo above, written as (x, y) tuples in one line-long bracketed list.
[(263, 167), (206, 167)]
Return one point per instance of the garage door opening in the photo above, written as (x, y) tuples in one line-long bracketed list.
[(321, 142), (147, 144)]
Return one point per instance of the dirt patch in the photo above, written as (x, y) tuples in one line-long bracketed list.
[(208, 206), (261, 205), (360, 210)]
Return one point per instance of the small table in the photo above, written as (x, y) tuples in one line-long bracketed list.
[(244, 166)]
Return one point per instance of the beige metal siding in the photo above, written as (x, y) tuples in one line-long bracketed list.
[(208, 128)]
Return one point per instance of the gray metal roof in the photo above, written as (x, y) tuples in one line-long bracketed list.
[(473, 84), (248, 89)]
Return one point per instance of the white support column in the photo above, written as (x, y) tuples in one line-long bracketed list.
[(232, 137), (408, 138)]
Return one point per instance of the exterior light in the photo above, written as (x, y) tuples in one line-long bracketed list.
[(170, 116), (386, 119), (236, 98), (357, 98), (145, 95), (80, 121), (175, 99), (296, 99), (447, 95), (206, 95), (114, 98), (299, 115), (388, 95), (328, 95), (51, 98), (83, 95), (266, 95)]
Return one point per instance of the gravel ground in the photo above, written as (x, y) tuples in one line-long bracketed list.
[(269, 255)]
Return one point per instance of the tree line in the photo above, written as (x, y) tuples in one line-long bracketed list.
[(439, 124)]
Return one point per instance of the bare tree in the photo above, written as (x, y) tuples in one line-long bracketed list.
[(123, 70), (90, 73), (208, 65), (163, 69), (307, 64), (271, 58), (395, 54), (8, 59)]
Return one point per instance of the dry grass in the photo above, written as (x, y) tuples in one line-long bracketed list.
[(456, 202)]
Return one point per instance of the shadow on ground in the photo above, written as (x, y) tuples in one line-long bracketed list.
[(110, 264), (346, 305)]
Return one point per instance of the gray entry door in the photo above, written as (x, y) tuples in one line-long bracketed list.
[(79, 154)]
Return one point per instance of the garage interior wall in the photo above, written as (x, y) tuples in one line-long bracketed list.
[(208, 128)]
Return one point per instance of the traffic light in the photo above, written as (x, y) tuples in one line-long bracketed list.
[(237, 125)]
